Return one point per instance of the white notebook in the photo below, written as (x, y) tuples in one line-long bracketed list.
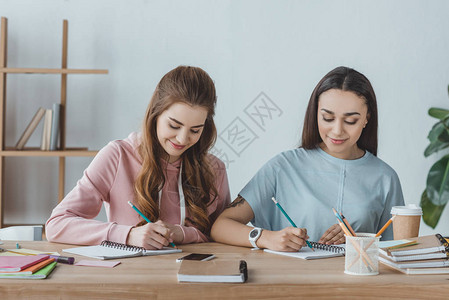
[(213, 271), (112, 250), (321, 251)]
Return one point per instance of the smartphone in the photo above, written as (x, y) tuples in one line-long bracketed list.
[(196, 256)]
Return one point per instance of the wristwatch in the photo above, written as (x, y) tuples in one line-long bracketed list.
[(254, 235)]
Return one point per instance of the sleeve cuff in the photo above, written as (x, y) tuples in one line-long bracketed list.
[(119, 233), (183, 232), (192, 235)]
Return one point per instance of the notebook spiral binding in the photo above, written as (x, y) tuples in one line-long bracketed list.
[(443, 242), (330, 248), (121, 246)]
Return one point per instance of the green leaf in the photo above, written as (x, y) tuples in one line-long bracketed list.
[(435, 147), (436, 131), (438, 137), (439, 113), (431, 212), (438, 182)]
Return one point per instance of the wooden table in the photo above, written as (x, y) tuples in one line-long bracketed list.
[(270, 276)]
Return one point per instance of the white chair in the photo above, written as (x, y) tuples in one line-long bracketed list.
[(21, 233)]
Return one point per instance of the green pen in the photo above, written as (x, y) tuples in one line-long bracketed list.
[(145, 218), (290, 220)]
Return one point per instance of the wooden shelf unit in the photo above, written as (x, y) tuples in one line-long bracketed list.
[(63, 152)]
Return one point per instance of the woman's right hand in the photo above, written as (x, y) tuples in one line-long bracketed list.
[(150, 236), (288, 239)]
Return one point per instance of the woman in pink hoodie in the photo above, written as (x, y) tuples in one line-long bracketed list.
[(165, 171)]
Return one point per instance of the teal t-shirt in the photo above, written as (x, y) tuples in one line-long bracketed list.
[(309, 183)]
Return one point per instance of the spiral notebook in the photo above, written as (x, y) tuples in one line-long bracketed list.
[(112, 250), (321, 251)]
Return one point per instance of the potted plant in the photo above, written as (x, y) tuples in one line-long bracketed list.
[(436, 194)]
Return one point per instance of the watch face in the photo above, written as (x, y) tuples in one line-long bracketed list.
[(253, 233)]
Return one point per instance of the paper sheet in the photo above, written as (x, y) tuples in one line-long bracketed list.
[(97, 263)]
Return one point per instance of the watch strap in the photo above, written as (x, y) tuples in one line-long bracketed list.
[(254, 239)]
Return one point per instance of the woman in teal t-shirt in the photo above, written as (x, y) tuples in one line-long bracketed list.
[(335, 167)]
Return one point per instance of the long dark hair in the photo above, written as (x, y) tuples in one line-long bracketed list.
[(193, 86), (346, 79)]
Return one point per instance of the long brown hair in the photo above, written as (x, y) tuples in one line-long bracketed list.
[(193, 86), (345, 79)]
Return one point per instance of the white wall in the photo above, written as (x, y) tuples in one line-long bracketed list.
[(280, 48)]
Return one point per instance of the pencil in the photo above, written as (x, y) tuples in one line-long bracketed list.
[(290, 220), (145, 218), (385, 226), (345, 224), (380, 232), (348, 225)]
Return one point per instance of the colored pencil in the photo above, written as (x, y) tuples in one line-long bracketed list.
[(379, 233), (385, 226), (145, 218), (348, 225), (290, 220)]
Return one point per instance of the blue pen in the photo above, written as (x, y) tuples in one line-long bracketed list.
[(290, 220), (145, 218)]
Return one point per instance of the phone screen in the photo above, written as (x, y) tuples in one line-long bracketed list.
[(197, 256)]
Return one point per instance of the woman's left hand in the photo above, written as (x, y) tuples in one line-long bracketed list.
[(334, 235), (176, 232)]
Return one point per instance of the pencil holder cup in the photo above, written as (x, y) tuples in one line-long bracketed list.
[(362, 254)]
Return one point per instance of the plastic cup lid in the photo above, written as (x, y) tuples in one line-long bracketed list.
[(407, 210)]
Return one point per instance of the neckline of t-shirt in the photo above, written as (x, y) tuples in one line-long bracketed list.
[(343, 161)]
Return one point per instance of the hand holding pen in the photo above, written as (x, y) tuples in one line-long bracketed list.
[(157, 234), (290, 220)]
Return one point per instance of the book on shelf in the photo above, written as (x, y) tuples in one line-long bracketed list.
[(213, 271), (113, 250), (319, 251), (427, 247), (46, 131), (30, 128), (54, 136)]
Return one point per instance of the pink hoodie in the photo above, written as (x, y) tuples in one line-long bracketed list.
[(109, 180)]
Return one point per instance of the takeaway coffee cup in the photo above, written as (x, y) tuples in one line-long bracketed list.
[(406, 222)]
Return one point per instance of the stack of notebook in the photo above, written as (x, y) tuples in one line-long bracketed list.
[(26, 266), (426, 255)]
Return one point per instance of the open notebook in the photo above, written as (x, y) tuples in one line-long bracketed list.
[(321, 251), (112, 250)]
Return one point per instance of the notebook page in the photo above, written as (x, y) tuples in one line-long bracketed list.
[(102, 252), (165, 250), (307, 253)]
